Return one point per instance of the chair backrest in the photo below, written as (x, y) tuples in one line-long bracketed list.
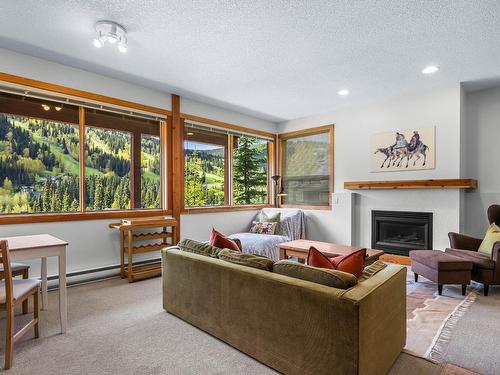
[(494, 214), (6, 272)]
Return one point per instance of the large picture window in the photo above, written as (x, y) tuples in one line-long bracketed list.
[(39, 156), (307, 167), (222, 168), (40, 166)]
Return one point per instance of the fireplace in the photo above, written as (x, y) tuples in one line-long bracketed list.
[(398, 232)]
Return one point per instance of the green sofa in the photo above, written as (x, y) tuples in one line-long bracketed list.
[(291, 325)]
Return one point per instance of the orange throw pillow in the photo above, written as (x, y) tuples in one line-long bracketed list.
[(217, 239), (316, 258), (353, 263)]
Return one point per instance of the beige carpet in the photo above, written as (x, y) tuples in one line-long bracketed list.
[(121, 328)]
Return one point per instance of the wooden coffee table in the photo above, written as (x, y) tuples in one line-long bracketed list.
[(300, 248)]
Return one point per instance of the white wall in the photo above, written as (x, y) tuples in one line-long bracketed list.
[(482, 132), (91, 243), (353, 126)]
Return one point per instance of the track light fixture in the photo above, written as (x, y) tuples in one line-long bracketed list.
[(112, 33)]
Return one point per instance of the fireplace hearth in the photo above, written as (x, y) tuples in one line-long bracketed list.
[(398, 232)]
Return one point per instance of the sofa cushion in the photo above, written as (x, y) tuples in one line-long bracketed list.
[(271, 218), (249, 260), (479, 260), (217, 239), (371, 270), (353, 263), (197, 247), (263, 227), (441, 261), (492, 236), (333, 278)]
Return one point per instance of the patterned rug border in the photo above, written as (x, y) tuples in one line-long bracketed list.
[(443, 335)]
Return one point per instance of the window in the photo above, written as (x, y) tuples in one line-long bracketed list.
[(39, 156), (122, 162), (250, 170), (307, 167), (222, 168), (40, 164), (205, 169)]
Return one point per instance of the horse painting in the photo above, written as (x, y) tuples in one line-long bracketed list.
[(403, 153)]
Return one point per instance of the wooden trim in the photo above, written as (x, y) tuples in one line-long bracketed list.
[(177, 151), (164, 165), (304, 132), (225, 125), (80, 94), (81, 185), (332, 164), (135, 171), (228, 171), (78, 216), (271, 168), (306, 207), (464, 183), (199, 210)]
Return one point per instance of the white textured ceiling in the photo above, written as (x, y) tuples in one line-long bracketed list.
[(275, 59)]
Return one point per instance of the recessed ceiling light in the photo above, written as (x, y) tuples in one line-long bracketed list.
[(343, 92), (430, 69)]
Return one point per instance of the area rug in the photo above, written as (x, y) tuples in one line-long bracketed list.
[(431, 317)]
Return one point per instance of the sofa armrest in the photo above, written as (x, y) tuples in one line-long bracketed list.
[(495, 254), (464, 242)]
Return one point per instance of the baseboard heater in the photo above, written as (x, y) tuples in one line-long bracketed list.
[(91, 271)]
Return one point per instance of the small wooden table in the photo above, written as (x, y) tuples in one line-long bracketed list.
[(43, 246), (300, 248), (146, 229)]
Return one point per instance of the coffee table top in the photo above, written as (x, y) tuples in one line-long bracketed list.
[(328, 249)]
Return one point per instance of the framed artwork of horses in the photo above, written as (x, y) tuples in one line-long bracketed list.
[(403, 150)]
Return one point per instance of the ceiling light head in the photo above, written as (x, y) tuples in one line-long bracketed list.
[(343, 92), (57, 108), (430, 69), (112, 33), (189, 134), (46, 107)]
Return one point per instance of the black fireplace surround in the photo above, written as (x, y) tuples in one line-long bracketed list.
[(398, 232)]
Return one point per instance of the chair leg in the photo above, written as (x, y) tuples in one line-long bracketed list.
[(25, 303), (486, 290), (464, 289), (415, 275), (36, 313), (440, 289), (9, 339)]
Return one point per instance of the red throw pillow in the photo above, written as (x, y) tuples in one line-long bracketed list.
[(316, 258), (217, 239), (353, 263)]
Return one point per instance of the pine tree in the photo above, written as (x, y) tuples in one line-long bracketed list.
[(250, 176), (193, 181), (98, 195)]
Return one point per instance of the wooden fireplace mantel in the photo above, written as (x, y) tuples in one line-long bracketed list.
[(462, 183)]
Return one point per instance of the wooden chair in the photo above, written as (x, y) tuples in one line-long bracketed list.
[(12, 293), (19, 269)]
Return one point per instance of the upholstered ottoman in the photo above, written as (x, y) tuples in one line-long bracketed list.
[(440, 267)]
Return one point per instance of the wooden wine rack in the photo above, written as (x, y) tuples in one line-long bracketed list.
[(150, 229)]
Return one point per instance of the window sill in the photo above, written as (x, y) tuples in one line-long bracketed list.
[(318, 208), (196, 210), (78, 216)]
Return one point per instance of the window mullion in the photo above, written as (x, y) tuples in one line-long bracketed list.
[(81, 123)]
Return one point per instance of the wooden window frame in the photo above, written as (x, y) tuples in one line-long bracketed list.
[(330, 128), (166, 158), (228, 166)]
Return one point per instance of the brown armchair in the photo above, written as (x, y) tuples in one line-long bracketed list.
[(486, 269)]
